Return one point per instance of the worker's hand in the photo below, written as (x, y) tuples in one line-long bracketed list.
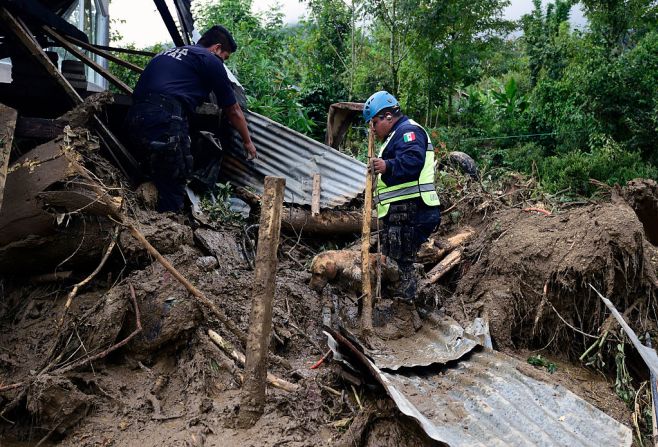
[(250, 150), (378, 166)]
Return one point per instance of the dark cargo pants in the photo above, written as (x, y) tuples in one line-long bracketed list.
[(406, 226), (159, 130)]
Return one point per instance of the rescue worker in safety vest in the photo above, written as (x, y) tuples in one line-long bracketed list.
[(407, 203), (174, 83)]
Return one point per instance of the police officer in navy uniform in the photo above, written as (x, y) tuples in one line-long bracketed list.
[(407, 203), (172, 86)]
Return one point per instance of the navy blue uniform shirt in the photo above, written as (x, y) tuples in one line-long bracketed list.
[(187, 74), (405, 153)]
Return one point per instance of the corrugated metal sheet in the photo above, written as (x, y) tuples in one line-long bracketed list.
[(435, 343), (282, 152), (484, 399)]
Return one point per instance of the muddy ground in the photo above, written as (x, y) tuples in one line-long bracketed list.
[(526, 271)]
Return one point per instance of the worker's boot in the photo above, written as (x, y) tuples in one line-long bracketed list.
[(406, 314)]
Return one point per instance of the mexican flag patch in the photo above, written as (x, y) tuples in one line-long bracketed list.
[(409, 136)]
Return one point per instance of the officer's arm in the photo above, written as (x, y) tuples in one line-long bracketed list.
[(226, 100), (237, 120), (407, 163)]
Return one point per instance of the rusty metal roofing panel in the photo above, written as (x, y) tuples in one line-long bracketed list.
[(284, 152), (485, 400), (437, 342)]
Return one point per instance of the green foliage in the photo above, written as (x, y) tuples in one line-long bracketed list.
[(263, 62), (608, 161), (559, 104), (586, 113), (623, 381), (128, 76), (221, 211), (538, 360)]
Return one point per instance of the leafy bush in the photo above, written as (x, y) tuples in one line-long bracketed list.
[(610, 162)]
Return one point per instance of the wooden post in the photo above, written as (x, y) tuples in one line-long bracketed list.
[(7, 126), (315, 198), (366, 287), (260, 321)]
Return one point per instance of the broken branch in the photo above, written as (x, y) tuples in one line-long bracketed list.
[(91, 276), (228, 348), (433, 251), (443, 267)]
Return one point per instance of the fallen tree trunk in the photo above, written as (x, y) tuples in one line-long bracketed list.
[(29, 176), (303, 220), (39, 226), (327, 222)]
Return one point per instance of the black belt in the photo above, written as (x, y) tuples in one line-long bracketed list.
[(167, 103)]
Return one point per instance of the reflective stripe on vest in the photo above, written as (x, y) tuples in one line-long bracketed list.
[(423, 187)]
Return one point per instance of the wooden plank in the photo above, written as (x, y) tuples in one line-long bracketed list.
[(87, 60), (315, 198), (98, 49), (169, 22), (28, 176), (252, 402), (27, 127), (7, 126), (366, 286), (35, 50)]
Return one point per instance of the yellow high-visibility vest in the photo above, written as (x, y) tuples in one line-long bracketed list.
[(384, 195)]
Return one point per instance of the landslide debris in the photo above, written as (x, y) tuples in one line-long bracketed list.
[(156, 379)]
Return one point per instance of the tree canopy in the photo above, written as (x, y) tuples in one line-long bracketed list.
[(537, 95)]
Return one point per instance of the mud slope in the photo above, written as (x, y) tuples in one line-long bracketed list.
[(526, 268)]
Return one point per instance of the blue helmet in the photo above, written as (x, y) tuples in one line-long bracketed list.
[(377, 102)]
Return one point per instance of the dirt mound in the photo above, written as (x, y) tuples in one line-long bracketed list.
[(166, 234), (529, 271)]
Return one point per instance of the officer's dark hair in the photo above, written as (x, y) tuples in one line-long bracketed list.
[(218, 34), (394, 111)]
